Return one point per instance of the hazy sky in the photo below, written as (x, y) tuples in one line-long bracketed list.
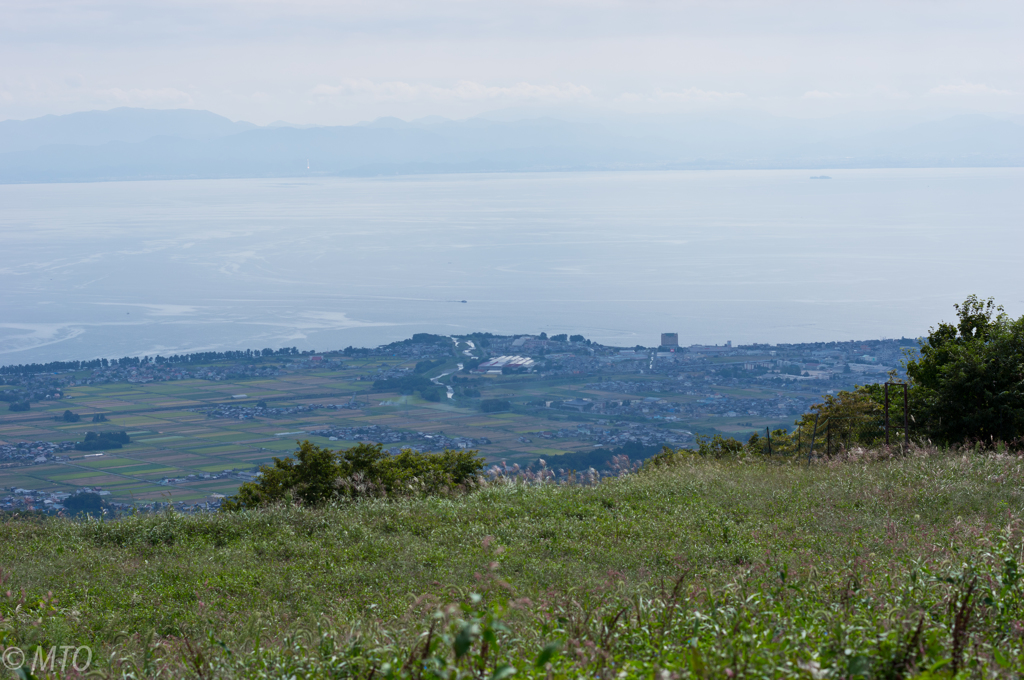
[(336, 62)]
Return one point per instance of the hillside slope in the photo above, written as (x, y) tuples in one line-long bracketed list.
[(703, 568)]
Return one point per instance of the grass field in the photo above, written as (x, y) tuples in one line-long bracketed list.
[(880, 567)]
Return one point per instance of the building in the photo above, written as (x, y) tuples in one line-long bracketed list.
[(495, 365), (711, 350), (670, 339), (580, 405)]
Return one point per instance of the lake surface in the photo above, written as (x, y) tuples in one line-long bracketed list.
[(132, 268)]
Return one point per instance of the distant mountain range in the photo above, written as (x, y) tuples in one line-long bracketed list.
[(92, 128), (132, 144)]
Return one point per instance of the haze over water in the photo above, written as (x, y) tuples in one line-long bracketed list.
[(115, 269)]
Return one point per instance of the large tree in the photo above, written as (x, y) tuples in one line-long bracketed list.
[(968, 383)]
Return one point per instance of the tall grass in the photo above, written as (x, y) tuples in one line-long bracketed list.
[(871, 566)]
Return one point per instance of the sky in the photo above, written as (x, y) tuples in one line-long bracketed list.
[(340, 62)]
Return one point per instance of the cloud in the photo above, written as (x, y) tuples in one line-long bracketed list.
[(694, 94), (818, 94), (967, 89), (469, 90), (464, 90), (690, 95), (162, 97)]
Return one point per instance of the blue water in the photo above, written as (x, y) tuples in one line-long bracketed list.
[(116, 269)]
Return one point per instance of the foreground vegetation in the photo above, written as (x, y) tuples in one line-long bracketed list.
[(877, 565)]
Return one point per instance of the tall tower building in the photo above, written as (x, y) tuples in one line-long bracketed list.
[(670, 339)]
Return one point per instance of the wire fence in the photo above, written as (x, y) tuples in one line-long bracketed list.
[(837, 434), (834, 435)]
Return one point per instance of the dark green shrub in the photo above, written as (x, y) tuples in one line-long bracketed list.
[(434, 393), (707, 447), (757, 444), (319, 475), (103, 441), (842, 421), (968, 383), (427, 364), (718, 446), (495, 405), (121, 436), (667, 457), (84, 503), (781, 443)]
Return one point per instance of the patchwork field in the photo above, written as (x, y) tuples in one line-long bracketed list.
[(173, 437)]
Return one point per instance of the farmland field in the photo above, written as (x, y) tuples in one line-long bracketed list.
[(196, 439)]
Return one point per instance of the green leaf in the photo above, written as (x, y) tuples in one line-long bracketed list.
[(697, 666), (546, 654), (859, 666), (464, 640), (503, 671)]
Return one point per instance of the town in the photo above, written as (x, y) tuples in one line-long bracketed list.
[(196, 426)]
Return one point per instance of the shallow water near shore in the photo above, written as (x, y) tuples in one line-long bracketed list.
[(131, 268)]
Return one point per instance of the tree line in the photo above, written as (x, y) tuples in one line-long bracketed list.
[(191, 358), (966, 385)]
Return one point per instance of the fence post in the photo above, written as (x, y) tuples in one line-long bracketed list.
[(906, 416), (768, 433), (828, 438), (810, 451), (886, 414)]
